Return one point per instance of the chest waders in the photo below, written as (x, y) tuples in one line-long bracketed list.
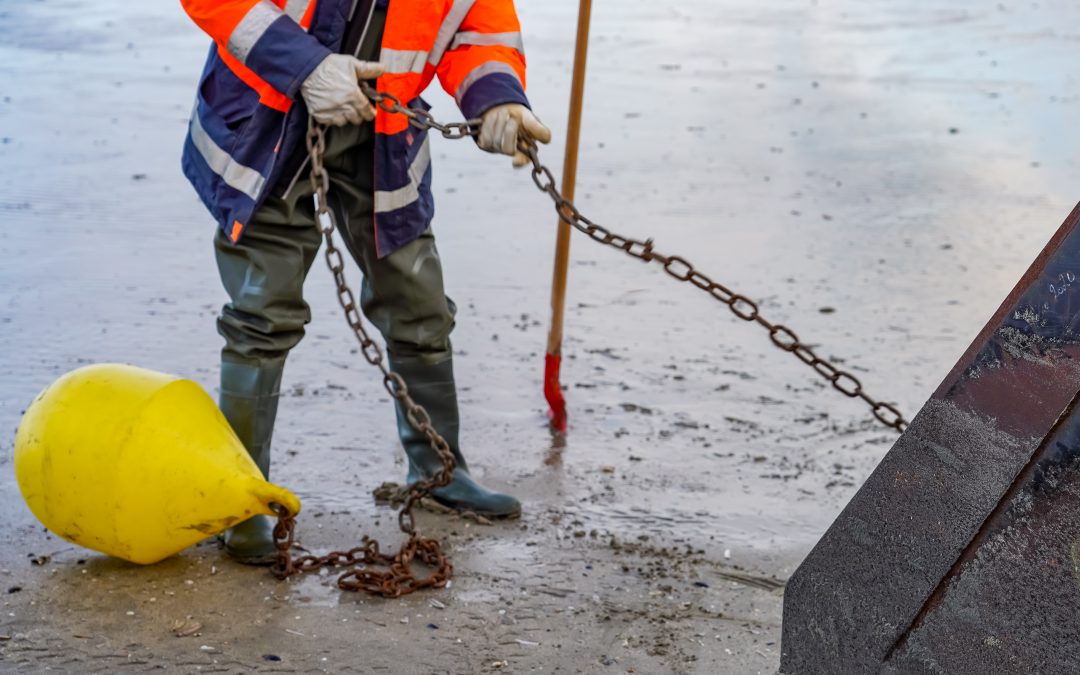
[(402, 295)]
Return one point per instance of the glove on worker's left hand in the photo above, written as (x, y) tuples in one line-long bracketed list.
[(501, 126)]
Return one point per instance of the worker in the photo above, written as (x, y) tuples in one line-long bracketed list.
[(271, 65)]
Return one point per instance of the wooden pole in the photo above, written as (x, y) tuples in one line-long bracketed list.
[(552, 387)]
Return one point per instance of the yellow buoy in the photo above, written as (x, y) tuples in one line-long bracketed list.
[(136, 464)]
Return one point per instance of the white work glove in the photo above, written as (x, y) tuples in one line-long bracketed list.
[(501, 126), (332, 90)]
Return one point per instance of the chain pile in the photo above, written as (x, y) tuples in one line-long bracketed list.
[(393, 575)]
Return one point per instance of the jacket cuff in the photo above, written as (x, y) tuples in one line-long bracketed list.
[(285, 55), (489, 91)]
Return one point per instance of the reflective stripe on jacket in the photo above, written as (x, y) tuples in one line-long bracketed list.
[(249, 118)]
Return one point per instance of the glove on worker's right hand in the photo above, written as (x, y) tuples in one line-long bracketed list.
[(332, 90), (502, 126)]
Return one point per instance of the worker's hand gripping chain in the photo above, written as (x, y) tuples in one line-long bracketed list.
[(398, 579)]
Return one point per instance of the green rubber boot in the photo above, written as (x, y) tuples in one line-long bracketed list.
[(432, 386), (249, 400)]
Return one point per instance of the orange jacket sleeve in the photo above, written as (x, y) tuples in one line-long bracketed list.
[(262, 37), (484, 65)]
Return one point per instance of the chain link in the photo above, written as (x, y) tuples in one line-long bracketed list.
[(394, 575), (420, 118)]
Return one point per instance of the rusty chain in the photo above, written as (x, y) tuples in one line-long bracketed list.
[(741, 306), (393, 575), (676, 266)]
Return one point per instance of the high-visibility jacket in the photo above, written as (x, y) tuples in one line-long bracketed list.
[(250, 119)]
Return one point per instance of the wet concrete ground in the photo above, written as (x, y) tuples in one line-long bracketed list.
[(877, 174)]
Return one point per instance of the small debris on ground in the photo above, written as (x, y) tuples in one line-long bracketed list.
[(186, 627)]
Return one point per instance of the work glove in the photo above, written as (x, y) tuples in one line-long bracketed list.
[(332, 90), (501, 126)]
